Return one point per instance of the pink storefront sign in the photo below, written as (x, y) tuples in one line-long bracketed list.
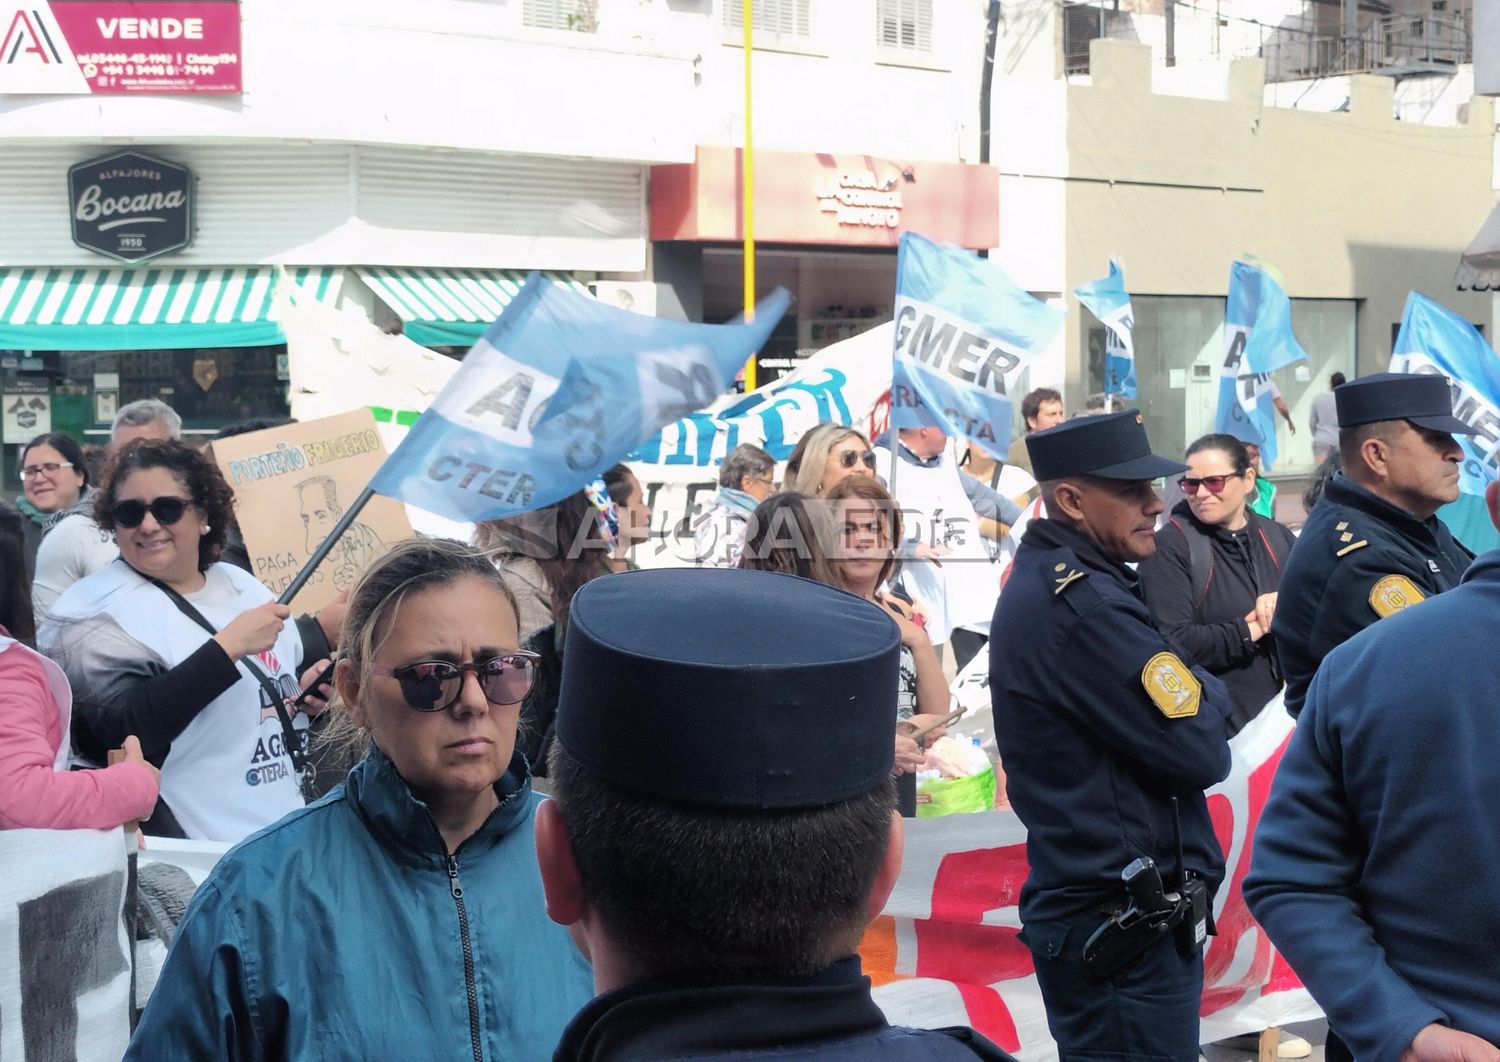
[(114, 47)]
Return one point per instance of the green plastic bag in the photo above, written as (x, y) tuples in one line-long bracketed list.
[(956, 796)]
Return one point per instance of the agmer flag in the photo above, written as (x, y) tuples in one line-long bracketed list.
[(1107, 299), (1258, 340), (1435, 339), (560, 388), (964, 331)]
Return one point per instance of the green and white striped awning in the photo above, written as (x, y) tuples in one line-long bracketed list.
[(146, 308), (449, 307)]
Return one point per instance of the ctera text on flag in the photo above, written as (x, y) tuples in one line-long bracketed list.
[(557, 390)]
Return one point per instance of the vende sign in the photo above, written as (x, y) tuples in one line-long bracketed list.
[(119, 46)]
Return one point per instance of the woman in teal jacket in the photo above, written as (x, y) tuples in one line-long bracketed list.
[(401, 916)]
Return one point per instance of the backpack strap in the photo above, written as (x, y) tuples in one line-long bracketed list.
[(1200, 558)]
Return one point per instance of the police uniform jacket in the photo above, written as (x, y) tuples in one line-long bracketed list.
[(1358, 558), (1378, 851), (827, 1016), (1100, 722)]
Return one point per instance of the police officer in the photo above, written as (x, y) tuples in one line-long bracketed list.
[(1109, 738), (1378, 851), (1372, 545), (722, 823)]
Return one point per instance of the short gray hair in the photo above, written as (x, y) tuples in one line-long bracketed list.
[(745, 460), (144, 411)]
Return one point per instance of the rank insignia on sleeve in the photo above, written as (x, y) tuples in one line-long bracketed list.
[(1172, 686), (1393, 593)]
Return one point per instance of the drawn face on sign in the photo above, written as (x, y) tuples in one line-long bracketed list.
[(318, 502)]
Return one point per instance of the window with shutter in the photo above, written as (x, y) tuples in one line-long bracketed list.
[(904, 25), (776, 18), (577, 15)]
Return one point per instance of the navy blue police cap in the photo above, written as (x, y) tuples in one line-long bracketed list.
[(1421, 397), (727, 688), (1110, 446)]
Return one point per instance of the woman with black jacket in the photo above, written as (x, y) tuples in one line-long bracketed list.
[(1211, 585)]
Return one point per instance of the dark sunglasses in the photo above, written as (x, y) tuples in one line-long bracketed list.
[(1214, 484), (850, 458), (167, 510), (435, 685)]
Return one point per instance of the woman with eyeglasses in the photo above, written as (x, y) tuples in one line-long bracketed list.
[(824, 456), (53, 478), (192, 655), (402, 915), (1212, 583)]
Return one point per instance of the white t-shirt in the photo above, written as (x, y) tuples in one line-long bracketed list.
[(228, 773), (961, 591), (73, 549)]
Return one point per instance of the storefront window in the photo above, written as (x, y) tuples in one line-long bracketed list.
[(1179, 348), (210, 388)]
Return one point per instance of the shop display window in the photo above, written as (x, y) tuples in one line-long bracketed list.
[(209, 387)]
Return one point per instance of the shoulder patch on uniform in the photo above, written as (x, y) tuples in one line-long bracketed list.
[(1393, 593), (1172, 686), (1064, 575)]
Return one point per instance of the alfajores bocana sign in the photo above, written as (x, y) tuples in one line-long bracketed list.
[(131, 207)]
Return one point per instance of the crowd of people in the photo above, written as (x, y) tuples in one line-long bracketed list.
[(730, 750)]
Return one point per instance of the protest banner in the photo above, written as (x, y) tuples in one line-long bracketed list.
[(292, 484), (945, 951), (1258, 340), (845, 383), (65, 968), (1109, 302)]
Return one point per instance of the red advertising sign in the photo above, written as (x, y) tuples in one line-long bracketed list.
[(119, 46)]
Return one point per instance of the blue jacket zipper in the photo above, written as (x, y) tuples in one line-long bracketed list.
[(457, 889)]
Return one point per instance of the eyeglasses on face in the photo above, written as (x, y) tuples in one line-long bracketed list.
[(51, 468), (436, 685), (1214, 484), (850, 458), (166, 510)]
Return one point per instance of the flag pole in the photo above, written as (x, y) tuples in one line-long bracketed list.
[(747, 188), (325, 547)]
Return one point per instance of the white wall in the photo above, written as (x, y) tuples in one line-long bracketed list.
[(460, 74), (340, 205)]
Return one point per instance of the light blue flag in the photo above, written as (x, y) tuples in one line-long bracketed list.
[(964, 332), (561, 387), (1108, 300), (1258, 340), (1436, 340)]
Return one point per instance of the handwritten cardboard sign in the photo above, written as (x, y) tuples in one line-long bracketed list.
[(292, 483)]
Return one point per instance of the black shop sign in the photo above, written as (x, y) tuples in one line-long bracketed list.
[(130, 206)]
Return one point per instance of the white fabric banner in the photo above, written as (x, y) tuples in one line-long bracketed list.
[(944, 951), (848, 382), (64, 956)]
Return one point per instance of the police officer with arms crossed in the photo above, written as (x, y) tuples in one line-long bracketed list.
[(1109, 738), (722, 823), (1372, 546)]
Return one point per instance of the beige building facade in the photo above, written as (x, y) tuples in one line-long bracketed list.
[(1353, 208)]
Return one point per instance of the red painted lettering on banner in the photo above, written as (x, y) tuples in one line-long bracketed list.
[(953, 946), (1235, 921)]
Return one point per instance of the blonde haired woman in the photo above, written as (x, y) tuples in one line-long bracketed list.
[(827, 455)]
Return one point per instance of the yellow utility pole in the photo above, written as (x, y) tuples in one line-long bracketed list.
[(747, 184)]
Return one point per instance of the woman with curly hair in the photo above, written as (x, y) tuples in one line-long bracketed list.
[(193, 656)]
